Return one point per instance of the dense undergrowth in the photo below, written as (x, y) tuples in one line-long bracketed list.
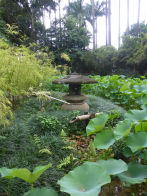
[(33, 138)]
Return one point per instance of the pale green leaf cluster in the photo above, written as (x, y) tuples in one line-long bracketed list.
[(20, 69)]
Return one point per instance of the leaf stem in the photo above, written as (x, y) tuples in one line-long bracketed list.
[(32, 187), (9, 188)]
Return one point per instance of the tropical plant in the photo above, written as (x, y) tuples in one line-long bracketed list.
[(23, 174), (127, 92), (43, 192), (20, 69)]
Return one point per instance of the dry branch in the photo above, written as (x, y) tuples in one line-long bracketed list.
[(84, 117)]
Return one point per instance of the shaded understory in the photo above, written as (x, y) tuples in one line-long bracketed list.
[(37, 126)]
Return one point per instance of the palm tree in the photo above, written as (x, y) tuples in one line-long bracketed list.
[(92, 12), (138, 18), (106, 22), (93, 22), (119, 24), (109, 22), (76, 9), (128, 17)]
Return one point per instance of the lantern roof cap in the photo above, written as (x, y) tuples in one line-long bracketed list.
[(75, 78)]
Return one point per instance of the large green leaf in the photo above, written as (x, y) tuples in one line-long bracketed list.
[(141, 127), (28, 176), (136, 115), (123, 129), (137, 141), (96, 124), (6, 173), (112, 166), (136, 173), (140, 88), (84, 180), (104, 139), (41, 192)]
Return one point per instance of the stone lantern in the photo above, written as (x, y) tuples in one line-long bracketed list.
[(74, 97)]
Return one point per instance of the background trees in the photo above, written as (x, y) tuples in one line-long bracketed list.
[(69, 33)]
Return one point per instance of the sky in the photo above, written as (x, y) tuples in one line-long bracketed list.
[(114, 18)]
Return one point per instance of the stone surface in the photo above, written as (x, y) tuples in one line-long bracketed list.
[(75, 97), (81, 107), (75, 78)]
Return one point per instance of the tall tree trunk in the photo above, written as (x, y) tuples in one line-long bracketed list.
[(49, 15), (138, 18), (119, 24), (43, 16), (109, 21), (93, 23), (60, 20), (128, 9), (106, 22), (32, 25), (96, 35)]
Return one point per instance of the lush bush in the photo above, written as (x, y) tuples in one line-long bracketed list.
[(21, 69), (5, 109), (99, 61), (132, 53), (126, 92)]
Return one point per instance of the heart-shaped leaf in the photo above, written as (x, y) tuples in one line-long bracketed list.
[(41, 192), (123, 129), (104, 139), (6, 173), (136, 173), (96, 124), (28, 176), (84, 180), (137, 141), (112, 166), (136, 115)]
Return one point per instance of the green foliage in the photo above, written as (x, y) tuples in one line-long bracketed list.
[(19, 70), (136, 173), (132, 53), (104, 139), (15, 65), (5, 109), (71, 36), (97, 124), (84, 180), (42, 192), (24, 173), (127, 92), (99, 61), (28, 176), (137, 141), (112, 166)]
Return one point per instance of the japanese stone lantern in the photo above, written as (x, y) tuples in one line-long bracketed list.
[(74, 97)]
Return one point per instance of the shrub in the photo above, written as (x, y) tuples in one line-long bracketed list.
[(19, 71)]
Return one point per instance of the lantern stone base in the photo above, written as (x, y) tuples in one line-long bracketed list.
[(79, 106)]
